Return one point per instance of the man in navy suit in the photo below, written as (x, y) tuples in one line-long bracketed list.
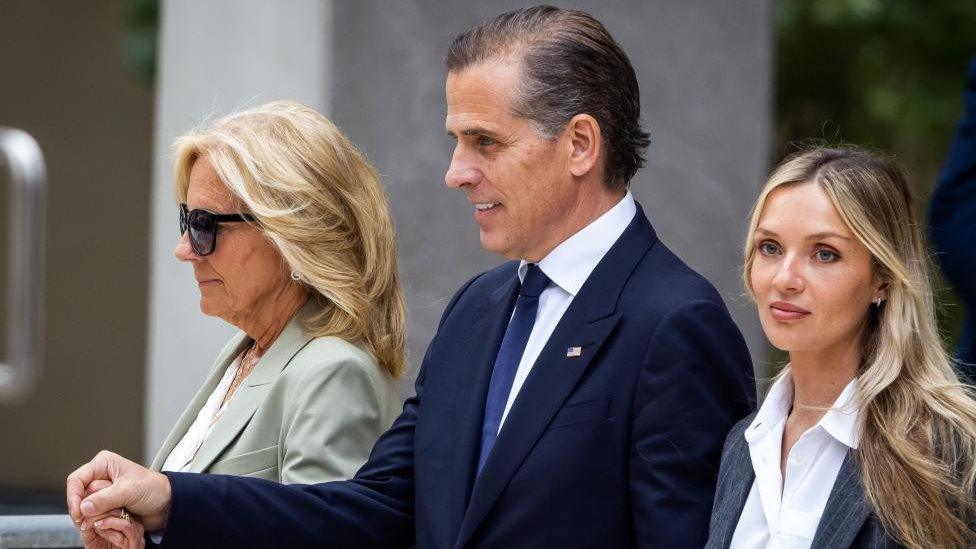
[(953, 219), (577, 396)]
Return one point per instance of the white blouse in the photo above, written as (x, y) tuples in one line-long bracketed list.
[(784, 513), (181, 457)]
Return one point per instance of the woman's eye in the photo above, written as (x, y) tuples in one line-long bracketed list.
[(768, 248), (826, 256)]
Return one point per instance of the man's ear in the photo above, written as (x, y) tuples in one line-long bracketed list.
[(583, 133)]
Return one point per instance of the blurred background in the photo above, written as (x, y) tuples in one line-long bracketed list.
[(104, 86)]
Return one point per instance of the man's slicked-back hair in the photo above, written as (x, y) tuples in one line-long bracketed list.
[(570, 65)]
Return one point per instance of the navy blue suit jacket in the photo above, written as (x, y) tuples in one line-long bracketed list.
[(953, 218), (618, 447)]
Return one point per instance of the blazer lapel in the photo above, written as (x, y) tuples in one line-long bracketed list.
[(847, 508), (587, 323), (734, 484), (231, 350), (478, 352), (250, 394)]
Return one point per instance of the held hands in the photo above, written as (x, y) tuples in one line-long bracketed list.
[(109, 530), (98, 491)]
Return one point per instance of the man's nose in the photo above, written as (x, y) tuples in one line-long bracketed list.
[(461, 171)]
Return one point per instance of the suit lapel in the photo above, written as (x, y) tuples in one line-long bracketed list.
[(734, 485), (847, 508), (587, 323), (250, 395), (478, 352), (231, 350)]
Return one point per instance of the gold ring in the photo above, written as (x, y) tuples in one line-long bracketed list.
[(124, 515)]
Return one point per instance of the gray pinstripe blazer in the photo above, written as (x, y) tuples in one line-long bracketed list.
[(847, 521)]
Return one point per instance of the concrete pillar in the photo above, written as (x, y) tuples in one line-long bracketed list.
[(215, 57)]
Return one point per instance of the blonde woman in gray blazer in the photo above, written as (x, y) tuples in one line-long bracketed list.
[(867, 439), (290, 238), (308, 412)]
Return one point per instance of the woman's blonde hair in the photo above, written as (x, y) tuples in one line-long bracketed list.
[(918, 432), (320, 203)]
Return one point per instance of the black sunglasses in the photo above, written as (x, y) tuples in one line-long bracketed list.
[(203, 227)]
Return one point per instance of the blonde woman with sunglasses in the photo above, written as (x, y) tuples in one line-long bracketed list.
[(289, 236)]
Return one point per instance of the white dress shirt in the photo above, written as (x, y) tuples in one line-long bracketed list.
[(785, 515), (568, 266), (181, 457)]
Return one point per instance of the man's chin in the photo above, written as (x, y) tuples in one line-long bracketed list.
[(491, 243)]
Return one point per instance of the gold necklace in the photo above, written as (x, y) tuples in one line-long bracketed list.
[(248, 361)]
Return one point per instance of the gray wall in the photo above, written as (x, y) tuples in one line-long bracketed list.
[(62, 79), (704, 69)]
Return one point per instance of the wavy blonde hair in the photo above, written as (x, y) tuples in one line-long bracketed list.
[(918, 432), (320, 203)]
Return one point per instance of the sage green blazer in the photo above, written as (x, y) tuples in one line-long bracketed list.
[(309, 412)]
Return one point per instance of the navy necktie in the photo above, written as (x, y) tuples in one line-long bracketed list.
[(509, 356)]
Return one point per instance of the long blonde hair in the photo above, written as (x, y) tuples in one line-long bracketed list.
[(918, 432), (320, 203)]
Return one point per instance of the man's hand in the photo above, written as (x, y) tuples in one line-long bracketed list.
[(144, 493)]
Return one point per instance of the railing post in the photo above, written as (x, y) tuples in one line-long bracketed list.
[(38, 531), (26, 216)]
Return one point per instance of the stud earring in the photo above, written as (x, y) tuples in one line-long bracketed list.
[(295, 275)]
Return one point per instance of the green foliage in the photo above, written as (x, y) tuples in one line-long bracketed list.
[(139, 38), (883, 74)]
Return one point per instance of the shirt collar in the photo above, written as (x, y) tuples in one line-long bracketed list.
[(840, 421), (774, 408), (571, 262)]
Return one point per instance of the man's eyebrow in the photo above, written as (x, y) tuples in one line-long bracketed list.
[(476, 130)]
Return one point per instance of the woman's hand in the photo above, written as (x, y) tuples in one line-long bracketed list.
[(110, 530)]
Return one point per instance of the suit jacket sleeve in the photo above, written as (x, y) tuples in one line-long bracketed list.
[(953, 209), (332, 420), (374, 509), (953, 213), (696, 382)]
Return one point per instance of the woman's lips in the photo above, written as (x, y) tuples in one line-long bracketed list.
[(781, 310)]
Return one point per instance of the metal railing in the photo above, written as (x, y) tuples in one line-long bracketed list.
[(26, 215), (38, 531)]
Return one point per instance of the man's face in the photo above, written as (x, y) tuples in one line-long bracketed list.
[(525, 198)]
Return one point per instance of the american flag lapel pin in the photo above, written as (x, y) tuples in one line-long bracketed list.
[(574, 352)]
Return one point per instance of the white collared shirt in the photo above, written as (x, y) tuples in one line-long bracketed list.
[(182, 455), (785, 515), (568, 266)]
